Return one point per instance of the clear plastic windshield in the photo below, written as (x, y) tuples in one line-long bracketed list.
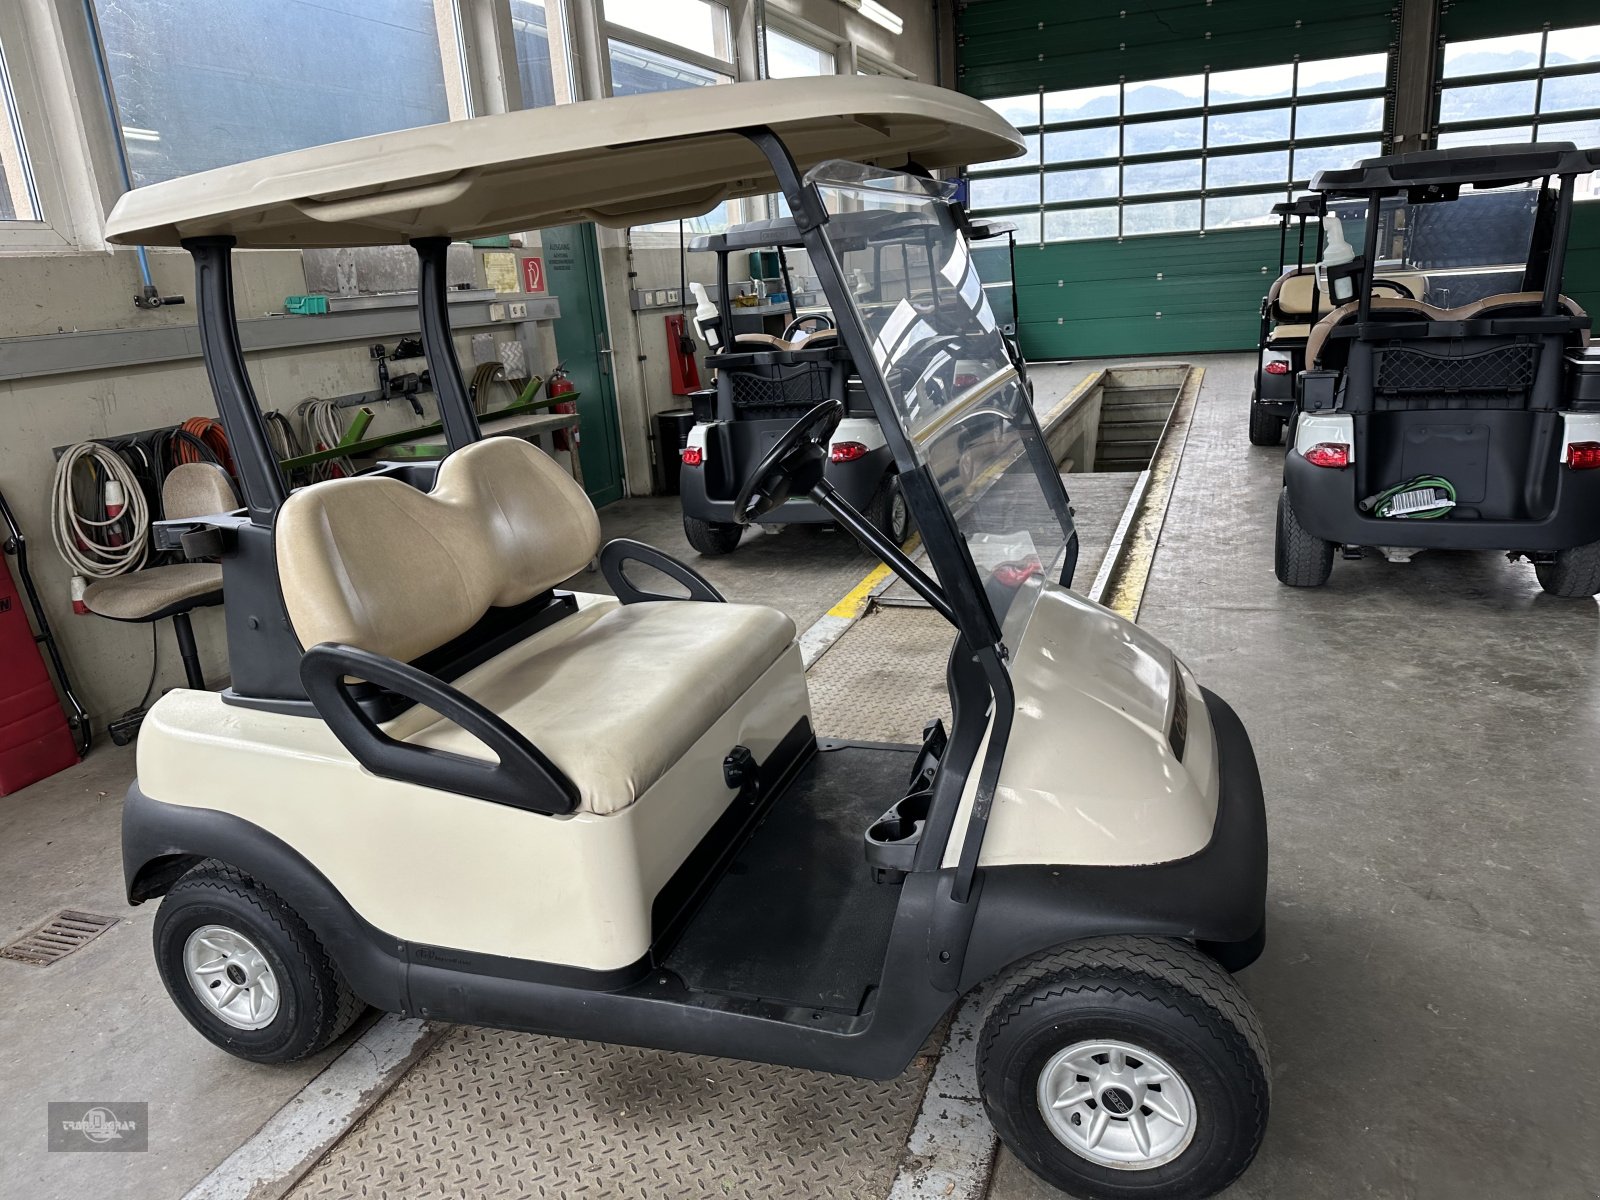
[(953, 386), (1449, 252)]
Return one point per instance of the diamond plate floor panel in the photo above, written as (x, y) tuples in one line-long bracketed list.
[(507, 1115), (884, 678)]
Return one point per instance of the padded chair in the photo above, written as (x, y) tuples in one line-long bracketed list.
[(155, 593)]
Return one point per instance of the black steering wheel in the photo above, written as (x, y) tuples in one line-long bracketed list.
[(810, 323), (1395, 286), (794, 464)]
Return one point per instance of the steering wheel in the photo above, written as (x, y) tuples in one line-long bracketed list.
[(1395, 286), (794, 464), (810, 323)]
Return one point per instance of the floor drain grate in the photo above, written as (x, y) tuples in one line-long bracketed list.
[(57, 937)]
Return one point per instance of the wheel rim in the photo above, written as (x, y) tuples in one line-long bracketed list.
[(1117, 1105), (899, 517), (231, 976)]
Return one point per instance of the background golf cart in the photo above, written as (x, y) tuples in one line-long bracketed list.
[(1456, 414), (765, 382)]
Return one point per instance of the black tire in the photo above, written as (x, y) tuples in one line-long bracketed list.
[(315, 1005), (889, 512), (1154, 995), (1266, 426), (1574, 575), (1300, 559), (712, 538)]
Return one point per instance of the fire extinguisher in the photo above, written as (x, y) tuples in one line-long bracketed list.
[(561, 384)]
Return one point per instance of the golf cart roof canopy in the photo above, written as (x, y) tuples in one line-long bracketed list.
[(780, 233), (1300, 206), (622, 161), (1483, 166)]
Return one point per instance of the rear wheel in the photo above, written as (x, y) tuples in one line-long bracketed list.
[(1266, 426), (1574, 574), (1126, 1067), (1300, 559), (246, 971), (889, 512), (712, 538)]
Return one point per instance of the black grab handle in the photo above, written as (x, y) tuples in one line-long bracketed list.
[(523, 778), (616, 553)]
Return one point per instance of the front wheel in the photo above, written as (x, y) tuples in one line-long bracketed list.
[(712, 538), (1574, 574), (246, 971), (1126, 1067), (1300, 559)]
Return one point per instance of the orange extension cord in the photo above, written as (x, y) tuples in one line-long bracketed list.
[(208, 430)]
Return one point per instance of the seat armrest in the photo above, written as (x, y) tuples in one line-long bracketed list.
[(522, 778), (616, 553)]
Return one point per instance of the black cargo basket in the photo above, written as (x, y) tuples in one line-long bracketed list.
[(780, 383), (1409, 369)]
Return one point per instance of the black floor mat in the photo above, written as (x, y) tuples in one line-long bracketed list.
[(797, 917)]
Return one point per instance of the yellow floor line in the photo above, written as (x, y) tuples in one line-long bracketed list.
[(856, 599)]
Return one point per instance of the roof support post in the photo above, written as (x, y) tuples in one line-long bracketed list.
[(1556, 262), (455, 406), (259, 476), (1416, 70)]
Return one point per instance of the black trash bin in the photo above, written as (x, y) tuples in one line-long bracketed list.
[(672, 434)]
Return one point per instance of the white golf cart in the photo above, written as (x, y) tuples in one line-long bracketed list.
[(441, 784)]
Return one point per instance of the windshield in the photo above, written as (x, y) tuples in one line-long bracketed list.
[(953, 387), (1449, 252)]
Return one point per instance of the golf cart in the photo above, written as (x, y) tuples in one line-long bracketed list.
[(1288, 311), (441, 783), (1462, 413), (765, 382)]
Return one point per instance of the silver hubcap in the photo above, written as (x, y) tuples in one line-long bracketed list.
[(1117, 1105), (231, 976), (898, 519)]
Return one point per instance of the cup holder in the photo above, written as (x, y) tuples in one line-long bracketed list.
[(891, 840)]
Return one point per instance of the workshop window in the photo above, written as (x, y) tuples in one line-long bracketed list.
[(18, 201), (1542, 86), (194, 78), (791, 57), (536, 68), (1191, 152)]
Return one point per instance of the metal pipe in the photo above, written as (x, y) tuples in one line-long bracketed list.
[(259, 476), (827, 496), (438, 347)]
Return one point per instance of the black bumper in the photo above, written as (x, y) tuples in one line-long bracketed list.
[(1216, 897), (1324, 500)]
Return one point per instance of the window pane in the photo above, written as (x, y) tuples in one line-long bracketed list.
[(1491, 137), (1077, 145), (1573, 46), (1343, 74), (1583, 134), (1159, 95), (1006, 191), (1079, 223), (790, 58), (1520, 52), (1081, 104), (1238, 129), (1574, 91), (693, 24), (635, 71), (201, 84), (1240, 170), (1021, 111), (532, 34), (1141, 179), (1488, 100), (1173, 216), (1158, 137), (1258, 83), (1345, 116), (1088, 184), (17, 202), (1224, 212), (1029, 158), (1309, 160)]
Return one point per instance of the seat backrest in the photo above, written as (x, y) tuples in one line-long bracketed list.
[(1292, 295), (197, 490), (375, 563), (1478, 308)]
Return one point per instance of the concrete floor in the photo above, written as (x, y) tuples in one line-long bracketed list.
[(1426, 741)]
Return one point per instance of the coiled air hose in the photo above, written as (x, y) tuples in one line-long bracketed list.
[(92, 539), (1421, 498)]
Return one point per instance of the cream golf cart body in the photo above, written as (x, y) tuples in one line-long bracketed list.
[(443, 784)]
